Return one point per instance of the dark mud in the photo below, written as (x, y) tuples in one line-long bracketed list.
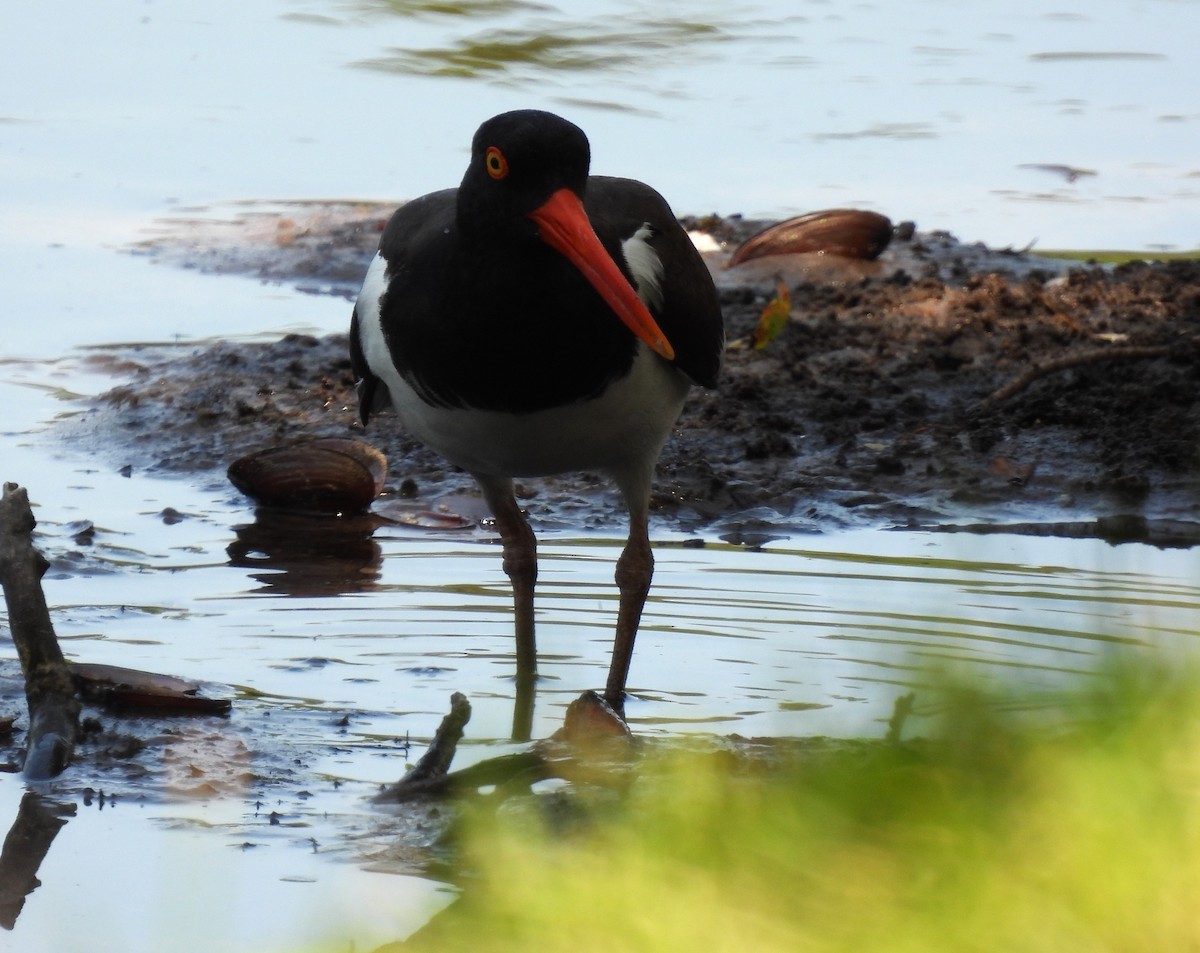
[(881, 403)]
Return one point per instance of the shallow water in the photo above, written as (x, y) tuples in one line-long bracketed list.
[(342, 666), (114, 115), (957, 116), (801, 637)]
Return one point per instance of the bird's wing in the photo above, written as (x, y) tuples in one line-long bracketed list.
[(686, 307), (406, 229)]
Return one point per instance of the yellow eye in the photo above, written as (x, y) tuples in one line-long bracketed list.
[(497, 165)]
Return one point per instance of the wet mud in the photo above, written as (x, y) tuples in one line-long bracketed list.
[(943, 383)]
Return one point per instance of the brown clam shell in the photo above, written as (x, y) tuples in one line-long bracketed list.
[(328, 475), (848, 233), (131, 688)]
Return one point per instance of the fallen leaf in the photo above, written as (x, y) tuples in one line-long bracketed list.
[(774, 317)]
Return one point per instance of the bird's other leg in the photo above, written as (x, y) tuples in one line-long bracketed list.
[(520, 565), (635, 569)]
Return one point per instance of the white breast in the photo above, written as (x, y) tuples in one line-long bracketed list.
[(619, 430)]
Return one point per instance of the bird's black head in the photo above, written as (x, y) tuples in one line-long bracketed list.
[(519, 159), (526, 180)]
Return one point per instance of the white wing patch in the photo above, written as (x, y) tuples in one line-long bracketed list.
[(646, 266)]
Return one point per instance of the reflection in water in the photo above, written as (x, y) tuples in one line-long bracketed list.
[(307, 555), (1122, 528), (38, 822), (524, 51)]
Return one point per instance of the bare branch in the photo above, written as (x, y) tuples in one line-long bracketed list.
[(49, 688), (1079, 359)]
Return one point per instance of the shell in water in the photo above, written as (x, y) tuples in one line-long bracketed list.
[(328, 475), (846, 232)]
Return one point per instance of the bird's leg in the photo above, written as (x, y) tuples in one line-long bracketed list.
[(520, 565), (635, 569)]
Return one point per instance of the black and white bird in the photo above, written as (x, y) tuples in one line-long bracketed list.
[(537, 320)]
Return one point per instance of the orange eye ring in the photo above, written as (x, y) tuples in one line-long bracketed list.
[(496, 164)]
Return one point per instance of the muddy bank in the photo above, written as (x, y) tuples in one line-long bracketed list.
[(943, 383)]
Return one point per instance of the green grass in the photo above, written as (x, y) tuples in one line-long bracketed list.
[(989, 835), (1116, 257)]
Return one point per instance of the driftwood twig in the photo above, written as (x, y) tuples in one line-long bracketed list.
[(1078, 359), (49, 688), (594, 744), (429, 774)]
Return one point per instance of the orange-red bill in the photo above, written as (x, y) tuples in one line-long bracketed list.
[(565, 227)]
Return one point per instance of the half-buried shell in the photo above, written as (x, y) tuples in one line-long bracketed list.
[(327, 475), (848, 233)]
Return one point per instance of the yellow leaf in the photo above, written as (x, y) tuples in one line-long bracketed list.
[(774, 317)]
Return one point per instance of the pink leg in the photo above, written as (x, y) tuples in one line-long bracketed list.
[(520, 565), (635, 569)]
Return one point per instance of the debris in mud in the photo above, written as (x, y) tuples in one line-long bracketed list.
[(431, 774), (594, 745), (321, 247), (54, 690), (127, 688)]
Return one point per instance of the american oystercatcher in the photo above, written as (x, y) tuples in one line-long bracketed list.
[(537, 320)]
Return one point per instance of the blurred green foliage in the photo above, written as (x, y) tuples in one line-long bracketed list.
[(1078, 833)]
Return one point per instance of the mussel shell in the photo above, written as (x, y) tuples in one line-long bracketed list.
[(132, 688), (329, 475), (589, 718), (848, 233), (366, 454)]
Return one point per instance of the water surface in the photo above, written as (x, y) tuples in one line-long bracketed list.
[(986, 119)]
